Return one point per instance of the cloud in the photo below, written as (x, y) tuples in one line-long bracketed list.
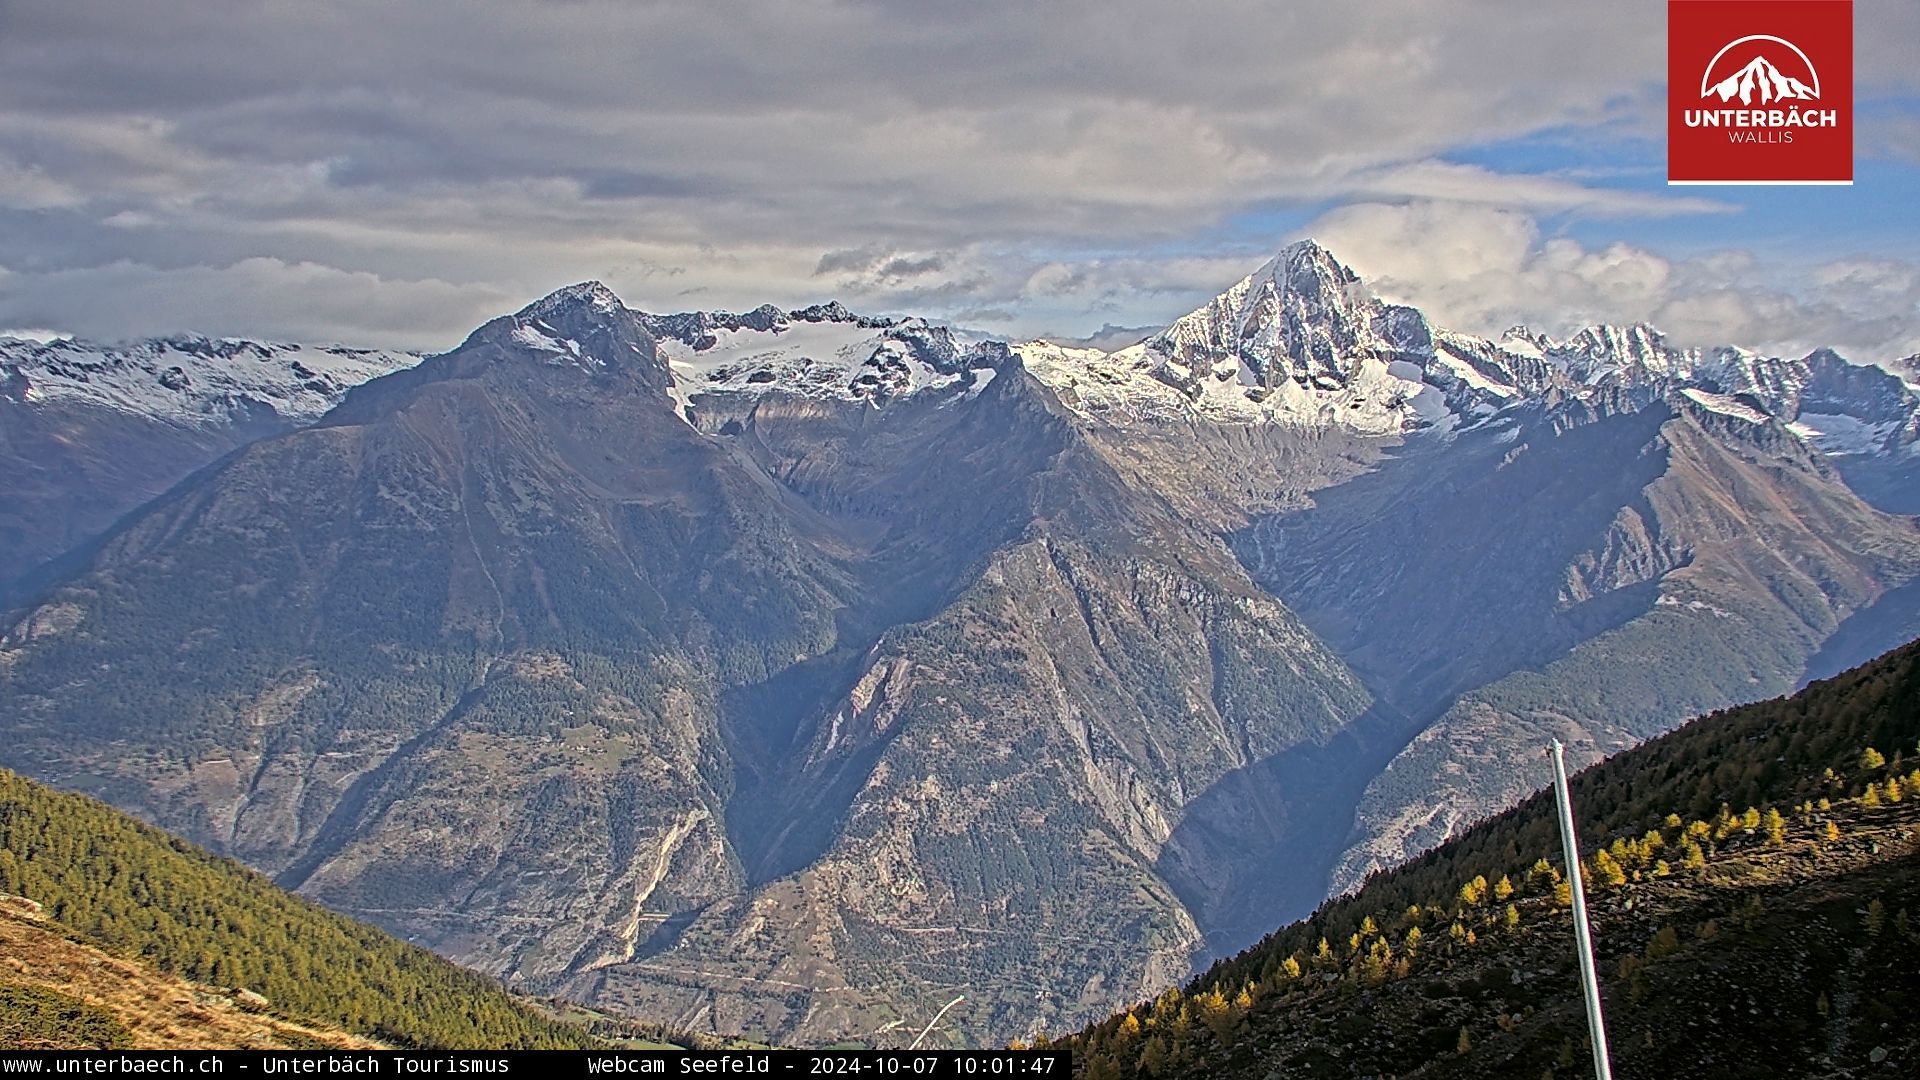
[(1481, 269), (30, 188), (266, 297), (1068, 160), (1442, 180), (1109, 338)]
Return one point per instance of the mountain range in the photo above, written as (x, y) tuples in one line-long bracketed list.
[(92, 431), (793, 672)]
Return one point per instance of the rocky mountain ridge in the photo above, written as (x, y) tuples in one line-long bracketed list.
[(783, 672)]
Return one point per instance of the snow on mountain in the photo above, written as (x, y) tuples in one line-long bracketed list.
[(1725, 406), (823, 351), (1840, 407), (1299, 341), (1839, 434), (194, 381), (1302, 341)]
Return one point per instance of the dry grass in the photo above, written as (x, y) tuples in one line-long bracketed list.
[(160, 1011)]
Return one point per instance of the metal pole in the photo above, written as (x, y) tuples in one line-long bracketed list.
[(1582, 936)]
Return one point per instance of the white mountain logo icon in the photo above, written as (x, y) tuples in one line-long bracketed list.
[(1760, 81)]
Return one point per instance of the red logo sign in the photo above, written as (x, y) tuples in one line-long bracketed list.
[(1760, 91)]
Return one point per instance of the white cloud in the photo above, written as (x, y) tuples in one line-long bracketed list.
[(29, 188), (1482, 269), (1452, 182), (267, 297)]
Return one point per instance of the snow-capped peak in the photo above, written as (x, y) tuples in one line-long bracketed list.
[(1303, 341), (584, 326), (188, 380), (1300, 340), (591, 295)]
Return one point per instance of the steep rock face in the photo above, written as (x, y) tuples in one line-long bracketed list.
[(88, 432), (1614, 566), (1008, 773), (669, 695)]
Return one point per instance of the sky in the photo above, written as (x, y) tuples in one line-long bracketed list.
[(393, 174)]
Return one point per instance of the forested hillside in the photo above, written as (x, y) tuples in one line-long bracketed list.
[(1753, 877), (139, 894)]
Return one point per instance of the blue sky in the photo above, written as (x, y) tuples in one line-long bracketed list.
[(356, 171)]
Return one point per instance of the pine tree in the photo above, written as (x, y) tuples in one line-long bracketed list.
[(1776, 828), (1153, 1057), (1465, 1044), (1872, 759), (1503, 889), (1876, 917)]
